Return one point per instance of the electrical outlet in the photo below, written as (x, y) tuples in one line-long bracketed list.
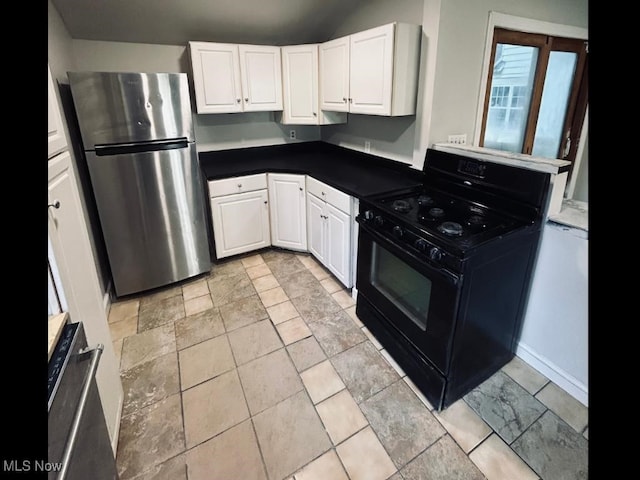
[(292, 134), (460, 139), (367, 146)]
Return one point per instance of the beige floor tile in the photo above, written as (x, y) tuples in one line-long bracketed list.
[(344, 298), (273, 296), (258, 271), (585, 434), (331, 285), (373, 339), (321, 381), (123, 310), (212, 407), (319, 272), (293, 330), (565, 406), (290, 426), (252, 261), (242, 312), (194, 290), (326, 467), (145, 346), (117, 348), (365, 445), (352, 313), (306, 353), (123, 328), (497, 461), (464, 425), (198, 304), (282, 312), (205, 360), (173, 469), (341, 416), (253, 341), (418, 393), (233, 454), (266, 282), (527, 376), (308, 261), (268, 380), (199, 327), (391, 361)]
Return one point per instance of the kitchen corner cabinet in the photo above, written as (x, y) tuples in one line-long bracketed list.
[(240, 214), (57, 140), (231, 78), (300, 79), (288, 211), (329, 221), (372, 72)]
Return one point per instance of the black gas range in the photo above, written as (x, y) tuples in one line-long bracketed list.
[(443, 269)]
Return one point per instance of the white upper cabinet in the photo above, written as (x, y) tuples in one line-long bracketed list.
[(373, 72), (57, 140), (230, 78), (300, 82)]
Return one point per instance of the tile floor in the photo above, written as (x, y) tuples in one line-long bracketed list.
[(262, 370)]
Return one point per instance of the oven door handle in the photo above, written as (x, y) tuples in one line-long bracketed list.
[(451, 277)]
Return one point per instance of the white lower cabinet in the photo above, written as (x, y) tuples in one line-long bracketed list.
[(240, 220), (329, 229), (288, 212)]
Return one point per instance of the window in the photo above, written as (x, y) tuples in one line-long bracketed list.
[(536, 94)]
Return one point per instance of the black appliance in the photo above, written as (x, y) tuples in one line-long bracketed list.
[(78, 440), (444, 269)]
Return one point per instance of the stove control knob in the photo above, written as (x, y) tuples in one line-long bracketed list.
[(368, 215), (435, 254), (379, 221), (398, 232), (420, 244)]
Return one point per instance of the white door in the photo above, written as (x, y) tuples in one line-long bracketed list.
[(261, 70), (72, 250), (240, 222), (56, 137), (334, 75), (216, 77), (338, 256), (316, 237), (300, 84), (288, 211), (371, 71)]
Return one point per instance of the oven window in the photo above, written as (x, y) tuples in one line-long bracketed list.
[(407, 289)]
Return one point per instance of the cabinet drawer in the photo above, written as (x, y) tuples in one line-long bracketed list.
[(247, 183), (331, 195)]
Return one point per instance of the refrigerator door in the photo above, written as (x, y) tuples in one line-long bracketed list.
[(114, 108), (152, 213)]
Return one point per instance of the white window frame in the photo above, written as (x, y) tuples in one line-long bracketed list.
[(521, 24)]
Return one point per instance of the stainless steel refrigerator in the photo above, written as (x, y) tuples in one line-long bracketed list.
[(138, 140)]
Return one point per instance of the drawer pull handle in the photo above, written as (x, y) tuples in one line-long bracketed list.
[(55, 204)]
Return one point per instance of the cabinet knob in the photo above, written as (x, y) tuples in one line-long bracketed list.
[(350, 100), (323, 194), (300, 188), (55, 204), (239, 185), (344, 100), (265, 202), (246, 100), (315, 114), (238, 100)]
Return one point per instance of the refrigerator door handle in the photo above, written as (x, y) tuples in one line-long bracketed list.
[(137, 147)]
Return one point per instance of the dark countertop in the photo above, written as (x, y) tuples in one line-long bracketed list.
[(355, 173)]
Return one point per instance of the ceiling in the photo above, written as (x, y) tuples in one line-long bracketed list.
[(176, 22)]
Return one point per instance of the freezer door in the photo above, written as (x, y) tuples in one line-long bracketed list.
[(152, 214), (114, 108)]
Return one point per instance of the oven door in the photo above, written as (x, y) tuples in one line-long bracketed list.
[(416, 298)]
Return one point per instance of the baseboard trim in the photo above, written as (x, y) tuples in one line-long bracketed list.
[(557, 375)]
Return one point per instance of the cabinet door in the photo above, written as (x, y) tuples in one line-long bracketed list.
[(216, 77), (334, 75), (57, 138), (76, 265), (240, 222), (371, 70), (316, 237), (338, 251), (261, 69), (300, 84), (288, 212)]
